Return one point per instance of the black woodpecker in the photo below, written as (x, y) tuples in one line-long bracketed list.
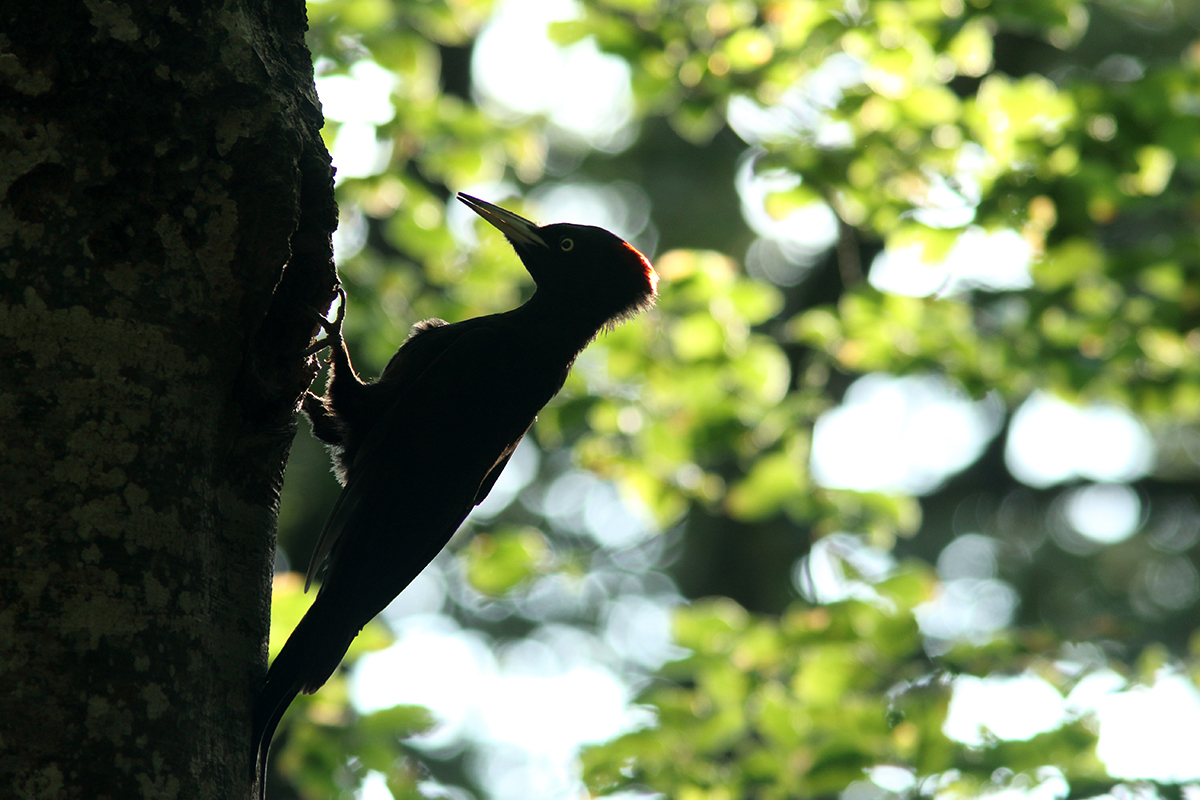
[(423, 444)]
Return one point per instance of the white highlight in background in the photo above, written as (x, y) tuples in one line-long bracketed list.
[(1008, 708), (359, 101), (803, 234), (527, 709), (1106, 513), (1152, 732), (433, 663), (1146, 732), (517, 69), (900, 434), (1051, 441), (996, 261)]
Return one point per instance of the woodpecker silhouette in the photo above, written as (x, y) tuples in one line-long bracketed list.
[(422, 445)]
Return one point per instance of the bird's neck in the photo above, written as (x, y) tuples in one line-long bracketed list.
[(560, 326)]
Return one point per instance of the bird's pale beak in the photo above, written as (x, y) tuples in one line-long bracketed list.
[(518, 229)]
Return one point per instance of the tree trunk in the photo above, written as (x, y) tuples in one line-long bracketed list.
[(166, 205)]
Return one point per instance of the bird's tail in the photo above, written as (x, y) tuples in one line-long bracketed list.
[(309, 657)]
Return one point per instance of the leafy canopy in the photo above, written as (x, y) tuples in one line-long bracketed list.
[(1060, 140)]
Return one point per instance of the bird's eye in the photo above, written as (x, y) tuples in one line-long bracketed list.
[(567, 245)]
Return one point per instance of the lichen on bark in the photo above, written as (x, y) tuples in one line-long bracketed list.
[(165, 215)]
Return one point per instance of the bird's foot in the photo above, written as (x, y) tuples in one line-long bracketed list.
[(333, 329)]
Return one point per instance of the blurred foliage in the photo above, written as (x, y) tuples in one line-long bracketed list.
[(806, 704), (498, 562), (1071, 128)]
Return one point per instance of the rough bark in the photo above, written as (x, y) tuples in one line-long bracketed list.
[(166, 207)]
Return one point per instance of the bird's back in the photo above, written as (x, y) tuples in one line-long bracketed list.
[(480, 385)]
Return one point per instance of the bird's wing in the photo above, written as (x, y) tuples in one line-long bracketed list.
[(494, 472), (435, 384), (423, 348)]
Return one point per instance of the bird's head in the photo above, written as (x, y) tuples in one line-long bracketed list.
[(586, 266)]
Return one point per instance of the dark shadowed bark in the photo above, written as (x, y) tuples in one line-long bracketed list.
[(166, 206)]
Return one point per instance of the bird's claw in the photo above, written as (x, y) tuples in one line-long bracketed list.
[(333, 329)]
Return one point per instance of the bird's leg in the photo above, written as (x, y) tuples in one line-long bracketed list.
[(333, 330), (343, 379), (323, 420), (344, 390), (317, 408)]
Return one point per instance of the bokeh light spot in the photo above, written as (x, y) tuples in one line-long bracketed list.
[(1051, 441)]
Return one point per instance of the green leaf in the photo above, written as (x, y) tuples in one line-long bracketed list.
[(397, 722), (774, 481), (499, 562), (748, 49), (1067, 263)]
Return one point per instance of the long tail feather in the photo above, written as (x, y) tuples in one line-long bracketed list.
[(309, 657)]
